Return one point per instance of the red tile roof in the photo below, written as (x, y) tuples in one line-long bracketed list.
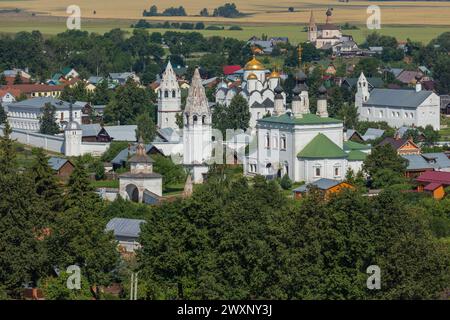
[(432, 186), (14, 92), (227, 70), (29, 88), (10, 80)]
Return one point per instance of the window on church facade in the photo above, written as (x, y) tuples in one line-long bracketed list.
[(166, 94), (317, 172), (267, 141), (283, 142), (173, 94)]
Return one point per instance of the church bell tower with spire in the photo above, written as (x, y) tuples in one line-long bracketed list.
[(169, 99)]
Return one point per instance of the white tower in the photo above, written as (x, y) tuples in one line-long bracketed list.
[(278, 105), (169, 99), (197, 132), (362, 94), (322, 104), (300, 100), (72, 137)]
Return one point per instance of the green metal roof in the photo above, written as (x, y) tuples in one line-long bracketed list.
[(307, 119), (66, 70), (356, 155), (351, 145), (321, 147)]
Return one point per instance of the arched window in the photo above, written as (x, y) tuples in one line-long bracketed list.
[(275, 142), (195, 119), (173, 94), (283, 142), (166, 94), (204, 119), (267, 140)]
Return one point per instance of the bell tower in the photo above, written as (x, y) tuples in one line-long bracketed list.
[(169, 99)]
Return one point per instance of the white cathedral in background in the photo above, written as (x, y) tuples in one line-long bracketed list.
[(169, 99), (307, 147), (257, 87)]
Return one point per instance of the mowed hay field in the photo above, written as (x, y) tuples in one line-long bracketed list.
[(419, 20), (259, 11)]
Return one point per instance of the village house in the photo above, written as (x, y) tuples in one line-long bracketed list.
[(419, 163), (434, 183), (326, 186), (126, 233), (403, 146), (35, 90), (62, 167)]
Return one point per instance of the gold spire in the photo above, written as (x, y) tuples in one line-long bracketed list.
[(299, 50), (254, 64)]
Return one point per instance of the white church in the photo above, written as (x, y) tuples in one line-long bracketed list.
[(257, 87), (305, 146), (398, 107)]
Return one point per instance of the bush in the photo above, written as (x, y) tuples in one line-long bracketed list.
[(286, 182), (237, 28), (213, 27)]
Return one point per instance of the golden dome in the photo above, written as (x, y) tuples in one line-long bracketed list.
[(254, 65), (252, 76), (274, 74)]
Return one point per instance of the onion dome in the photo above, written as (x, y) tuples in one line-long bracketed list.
[(254, 64), (278, 91), (322, 92), (297, 90), (300, 76), (274, 74), (252, 76)]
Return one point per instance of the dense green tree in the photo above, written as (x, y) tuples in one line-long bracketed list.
[(22, 219), (47, 121), (172, 173), (385, 166), (8, 161), (3, 115), (55, 288), (18, 78), (431, 135), (79, 237), (45, 182), (3, 81), (238, 114), (127, 103), (145, 127), (102, 94)]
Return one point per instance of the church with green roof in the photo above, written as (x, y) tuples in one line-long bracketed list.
[(305, 146)]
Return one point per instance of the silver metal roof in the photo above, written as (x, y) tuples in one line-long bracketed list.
[(123, 227)]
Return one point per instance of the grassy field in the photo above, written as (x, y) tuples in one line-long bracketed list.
[(53, 25), (260, 11)]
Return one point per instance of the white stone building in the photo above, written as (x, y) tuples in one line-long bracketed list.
[(305, 146), (398, 107), (141, 184), (25, 114), (257, 87), (169, 99), (197, 131), (325, 36)]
